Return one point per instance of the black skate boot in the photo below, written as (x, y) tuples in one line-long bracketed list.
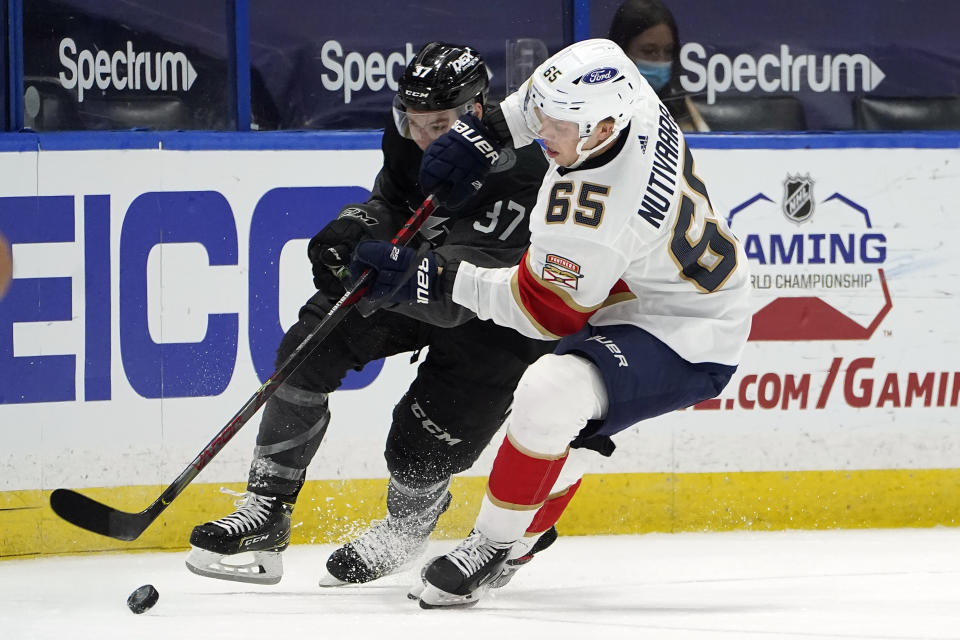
[(519, 557), (261, 525), (388, 546), (462, 576)]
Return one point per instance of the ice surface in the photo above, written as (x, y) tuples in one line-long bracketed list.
[(886, 584)]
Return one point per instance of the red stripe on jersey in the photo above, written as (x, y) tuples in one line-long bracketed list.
[(552, 509), (547, 308), (521, 479), (550, 310), (619, 287)]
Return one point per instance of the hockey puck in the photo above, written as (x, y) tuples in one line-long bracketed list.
[(143, 598), (6, 265)]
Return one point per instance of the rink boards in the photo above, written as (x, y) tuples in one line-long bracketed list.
[(155, 273)]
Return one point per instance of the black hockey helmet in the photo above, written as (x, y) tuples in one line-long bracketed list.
[(441, 76)]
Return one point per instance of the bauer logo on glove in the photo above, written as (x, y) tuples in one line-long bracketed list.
[(455, 165), (484, 146), (426, 274)]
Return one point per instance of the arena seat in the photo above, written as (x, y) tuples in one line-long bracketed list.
[(748, 113), (137, 111), (906, 114), (50, 107)]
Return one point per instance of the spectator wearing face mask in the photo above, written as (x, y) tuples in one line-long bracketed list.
[(647, 33)]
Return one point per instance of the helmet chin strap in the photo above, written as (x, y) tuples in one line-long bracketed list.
[(583, 155)]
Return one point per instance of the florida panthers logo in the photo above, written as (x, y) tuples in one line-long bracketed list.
[(561, 271)]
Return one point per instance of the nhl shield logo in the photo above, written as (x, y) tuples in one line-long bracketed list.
[(798, 198)]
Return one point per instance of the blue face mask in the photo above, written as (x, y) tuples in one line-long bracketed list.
[(656, 73)]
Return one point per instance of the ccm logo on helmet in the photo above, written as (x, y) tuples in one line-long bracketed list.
[(599, 75), (478, 141)]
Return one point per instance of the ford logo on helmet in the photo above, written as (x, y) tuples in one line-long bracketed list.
[(599, 75)]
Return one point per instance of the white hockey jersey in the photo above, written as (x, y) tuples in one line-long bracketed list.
[(628, 237)]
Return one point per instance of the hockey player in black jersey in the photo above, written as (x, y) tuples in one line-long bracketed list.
[(463, 388)]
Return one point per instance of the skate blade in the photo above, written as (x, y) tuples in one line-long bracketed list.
[(327, 579), (417, 589), (504, 578), (433, 598), (265, 568)]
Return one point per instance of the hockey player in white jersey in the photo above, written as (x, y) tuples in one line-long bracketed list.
[(628, 264)]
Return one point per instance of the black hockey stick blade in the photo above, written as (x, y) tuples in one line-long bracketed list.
[(87, 513), (97, 517)]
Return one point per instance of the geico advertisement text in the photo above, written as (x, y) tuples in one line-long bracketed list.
[(155, 367)]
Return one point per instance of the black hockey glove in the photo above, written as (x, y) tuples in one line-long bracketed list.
[(330, 251), (456, 164), (401, 274)]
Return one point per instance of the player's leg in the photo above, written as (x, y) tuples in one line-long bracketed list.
[(555, 398), (604, 391), (293, 425), (542, 531), (451, 411)]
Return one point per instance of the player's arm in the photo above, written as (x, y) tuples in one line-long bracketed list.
[(455, 166), (495, 234), (331, 248), (506, 123), (511, 111), (497, 231), (558, 285)]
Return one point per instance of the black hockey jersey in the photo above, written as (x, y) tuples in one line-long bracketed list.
[(494, 232)]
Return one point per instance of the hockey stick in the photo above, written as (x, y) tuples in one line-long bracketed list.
[(97, 517)]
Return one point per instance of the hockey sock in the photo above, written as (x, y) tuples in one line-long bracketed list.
[(552, 509), (293, 425), (519, 485), (404, 500)]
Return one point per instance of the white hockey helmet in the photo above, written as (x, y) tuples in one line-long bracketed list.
[(585, 83)]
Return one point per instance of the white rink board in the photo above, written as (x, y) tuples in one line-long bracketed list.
[(888, 211)]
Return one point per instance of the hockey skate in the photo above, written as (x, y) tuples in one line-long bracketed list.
[(260, 526), (520, 554), (462, 576), (388, 546)]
